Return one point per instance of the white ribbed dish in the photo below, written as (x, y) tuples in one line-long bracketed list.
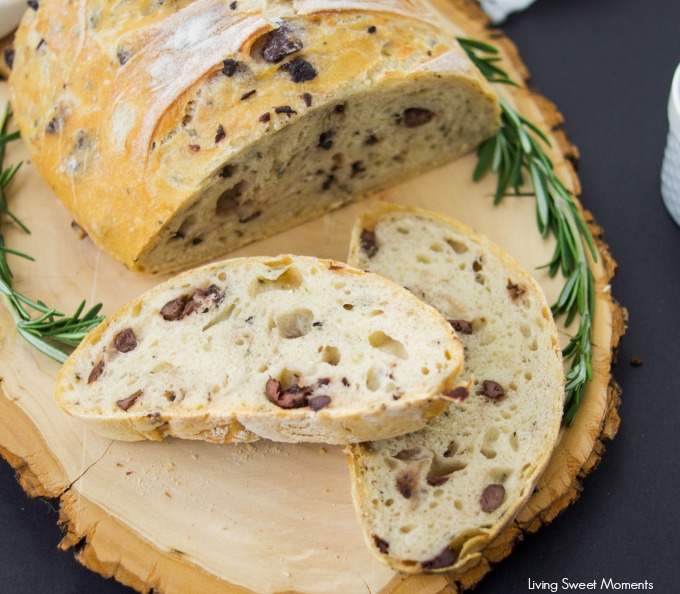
[(670, 171), (10, 14)]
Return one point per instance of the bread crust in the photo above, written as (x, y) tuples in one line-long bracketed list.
[(132, 114)]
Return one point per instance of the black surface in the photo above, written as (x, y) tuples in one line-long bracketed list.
[(608, 66)]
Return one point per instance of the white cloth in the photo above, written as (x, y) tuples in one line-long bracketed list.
[(498, 10)]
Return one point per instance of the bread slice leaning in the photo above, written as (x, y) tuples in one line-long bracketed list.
[(290, 348), (431, 500)]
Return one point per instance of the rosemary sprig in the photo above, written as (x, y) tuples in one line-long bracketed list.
[(43, 327), (513, 153)]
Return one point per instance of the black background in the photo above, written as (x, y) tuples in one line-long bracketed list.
[(608, 65)]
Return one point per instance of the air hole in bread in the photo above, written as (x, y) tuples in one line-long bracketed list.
[(479, 323), (376, 312), (239, 342), (189, 112), (525, 330), (288, 378), (437, 247), (289, 280), (185, 227), (425, 371), (160, 367), (514, 441), (500, 476), (389, 502), (229, 200), (533, 346), (348, 306), (294, 324), (381, 341), (406, 529), (457, 246), (222, 315), (339, 285), (488, 450), (331, 355), (451, 450), (372, 379), (403, 230), (442, 467), (410, 454), (528, 376), (423, 259), (392, 464)]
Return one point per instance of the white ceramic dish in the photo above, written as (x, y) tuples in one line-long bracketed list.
[(670, 171), (10, 15)]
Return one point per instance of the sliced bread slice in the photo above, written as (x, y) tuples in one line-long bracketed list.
[(431, 500), (290, 348)]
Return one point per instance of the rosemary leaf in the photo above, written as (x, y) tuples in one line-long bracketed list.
[(16, 253), (515, 149)]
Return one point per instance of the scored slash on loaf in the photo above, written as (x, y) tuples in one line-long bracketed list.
[(291, 349), (433, 499), (175, 132)]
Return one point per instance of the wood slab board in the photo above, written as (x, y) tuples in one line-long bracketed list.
[(182, 516)]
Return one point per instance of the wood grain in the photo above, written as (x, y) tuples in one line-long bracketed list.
[(182, 516)]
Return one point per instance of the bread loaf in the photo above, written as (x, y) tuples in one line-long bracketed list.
[(291, 349), (177, 131), (431, 500)]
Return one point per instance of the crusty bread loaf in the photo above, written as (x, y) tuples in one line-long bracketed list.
[(429, 501), (175, 132), (291, 349)]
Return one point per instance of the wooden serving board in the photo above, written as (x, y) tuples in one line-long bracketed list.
[(180, 516)]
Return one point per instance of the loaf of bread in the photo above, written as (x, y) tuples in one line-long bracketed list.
[(175, 132), (431, 500), (291, 349)]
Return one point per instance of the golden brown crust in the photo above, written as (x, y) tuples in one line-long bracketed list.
[(106, 99)]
